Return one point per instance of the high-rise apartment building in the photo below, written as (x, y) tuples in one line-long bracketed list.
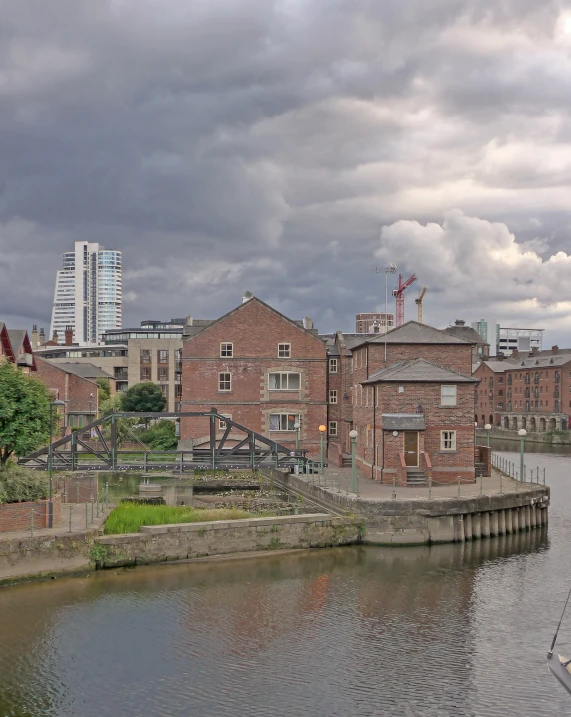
[(374, 323), (481, 327), (88, 293)]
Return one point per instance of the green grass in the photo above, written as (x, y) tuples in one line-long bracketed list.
[(129, 517)]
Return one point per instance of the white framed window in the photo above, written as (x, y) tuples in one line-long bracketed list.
[(284, 350), (283, 421), (332, 428), (447, 440), (222, 424), (224, 381), (448, 395), (333, 365), (333, 396), (284, 381), (226, 350)]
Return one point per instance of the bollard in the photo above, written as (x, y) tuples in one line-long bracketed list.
[(501, 483), (544, 476), (347, 485), (92, 510), (394, 488), (339, 484), (429, 487), (482, 484), (538, 474), (458, 486), (86, 523), (70, 511), (77, 492), (32, 523)]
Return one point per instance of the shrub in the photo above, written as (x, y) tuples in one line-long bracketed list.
[(19, 485), (160, 437)]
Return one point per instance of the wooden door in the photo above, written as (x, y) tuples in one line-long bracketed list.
[(411, 448)]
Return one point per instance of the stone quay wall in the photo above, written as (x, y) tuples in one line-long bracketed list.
[(160, 543), (18, 516), (439, 520)]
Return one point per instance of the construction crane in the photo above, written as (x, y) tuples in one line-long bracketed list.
[(399, 294), (418, 302)]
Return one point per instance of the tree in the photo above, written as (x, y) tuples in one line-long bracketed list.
[(104, 390), (143, 397), (24, 413), (111, 405)]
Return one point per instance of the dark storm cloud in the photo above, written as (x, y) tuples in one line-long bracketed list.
[(263, 145)]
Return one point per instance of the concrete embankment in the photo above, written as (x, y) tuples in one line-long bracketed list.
[(438, 520), (184, 541), (550, 438)]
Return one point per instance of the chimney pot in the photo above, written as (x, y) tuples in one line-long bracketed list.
[(247, 296), (515, 352), (555, 349), (459, 322)]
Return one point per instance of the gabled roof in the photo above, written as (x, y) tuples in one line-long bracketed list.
[(22, 348), (496, 366), (413, 333), (6, 343), (419, 370), (83, 370), (466, 333), (298, 324)]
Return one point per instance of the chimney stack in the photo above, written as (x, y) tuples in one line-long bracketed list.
[(34, 336), (42, 337), (515, 353), (69, 335), (555, 349), (534, 351), (308, 322), (55, 337), (189, 321)]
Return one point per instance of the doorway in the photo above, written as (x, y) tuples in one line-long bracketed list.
[(411, 449)]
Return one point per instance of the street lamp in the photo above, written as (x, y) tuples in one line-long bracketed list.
[(522, 434), (296, 426), (51, 460), (388, 270), (488, 428), (353, 436), (322, 430)]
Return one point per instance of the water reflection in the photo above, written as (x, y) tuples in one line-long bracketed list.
[(447, 630)]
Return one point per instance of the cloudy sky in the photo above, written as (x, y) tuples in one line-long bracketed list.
[(289, 147)]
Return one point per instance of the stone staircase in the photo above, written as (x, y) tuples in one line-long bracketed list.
[(415, 476), (347, 461), (481, 469)]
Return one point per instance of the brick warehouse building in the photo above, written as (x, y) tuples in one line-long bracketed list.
[(259, 368)]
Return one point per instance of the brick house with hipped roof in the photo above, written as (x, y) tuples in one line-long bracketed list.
[(258, 367), (413, 405)]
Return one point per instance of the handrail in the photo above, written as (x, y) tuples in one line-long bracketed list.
[(427, 460), (403, 464)]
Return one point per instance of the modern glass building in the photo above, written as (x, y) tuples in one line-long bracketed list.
[(88, 293)]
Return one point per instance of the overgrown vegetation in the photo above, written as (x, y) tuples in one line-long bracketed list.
[(159, 437), (18, 485), (24, 413), (129, 517)]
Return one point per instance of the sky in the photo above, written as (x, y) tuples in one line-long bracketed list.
[(290, 148)]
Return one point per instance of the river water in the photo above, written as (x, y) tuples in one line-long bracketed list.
[(449, 630)]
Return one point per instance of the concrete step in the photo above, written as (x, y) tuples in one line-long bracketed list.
[(347, 461), (415, 476), (481, 469)]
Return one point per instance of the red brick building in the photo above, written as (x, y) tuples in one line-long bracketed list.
[(412, 403), (531, 391), (259, 368), (15, 348)]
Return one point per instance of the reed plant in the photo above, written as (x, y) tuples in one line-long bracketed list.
[(129, 517)]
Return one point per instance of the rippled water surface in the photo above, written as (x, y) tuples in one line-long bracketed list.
[(448, 630)]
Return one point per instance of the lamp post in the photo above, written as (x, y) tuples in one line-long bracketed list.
[(353, 436), (522, 434), (296, 426), (51, 460), (488, 428), (388, 270), (322, 430)]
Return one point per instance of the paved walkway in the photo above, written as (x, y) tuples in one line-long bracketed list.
[(339, 480), (78, 522)]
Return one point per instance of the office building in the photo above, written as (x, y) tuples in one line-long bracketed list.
[(374, 323), (481, 327), (88, 293)]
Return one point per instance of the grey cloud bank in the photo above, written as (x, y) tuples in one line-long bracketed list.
[(288, 147)]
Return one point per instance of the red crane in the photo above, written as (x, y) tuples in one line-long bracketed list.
[(399, 294)]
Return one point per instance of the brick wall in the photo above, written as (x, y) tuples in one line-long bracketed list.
[(17, 516), (254, 330), (80, 393)]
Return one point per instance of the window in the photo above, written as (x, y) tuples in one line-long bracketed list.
[(165, 389), (284, 350), (178, 390), (163, 374), (448, 396), (332, 428), (447, 440), (224, 382), (145, 356), (222, 424), (283, 421), (226, 350), (332, 396), (333, 365), (284, 381), (145, 373), (162, 356)]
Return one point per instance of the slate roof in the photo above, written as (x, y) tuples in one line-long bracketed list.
[(83, 370), (421, 371), (403, 422), (496, 366), (412, 333), (466, 333), (17, 339)]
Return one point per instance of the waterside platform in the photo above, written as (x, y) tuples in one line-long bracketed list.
[(494, 505)]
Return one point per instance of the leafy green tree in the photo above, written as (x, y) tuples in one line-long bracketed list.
[(160, 437), (113, 404), (104, 390), (143, 397), (24, 413)]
